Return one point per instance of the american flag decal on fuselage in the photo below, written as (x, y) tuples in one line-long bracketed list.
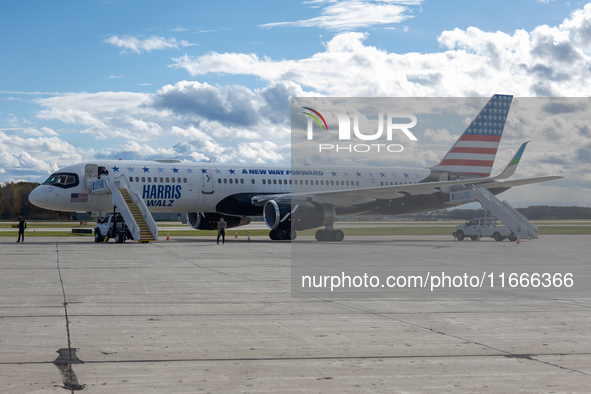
[(79, 197), (474, 153)]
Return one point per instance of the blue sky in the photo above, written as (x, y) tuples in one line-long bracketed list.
[(195, 79)]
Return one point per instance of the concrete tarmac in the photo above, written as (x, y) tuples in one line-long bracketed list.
[(189, 316)]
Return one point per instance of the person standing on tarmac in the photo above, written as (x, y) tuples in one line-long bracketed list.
[(222, 230), (22, 225)]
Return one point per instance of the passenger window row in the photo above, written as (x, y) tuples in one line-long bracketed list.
[(226, 180), (307, 182), (162, 179), (332, 183), (395, 183), (295, 182), (264, 181)]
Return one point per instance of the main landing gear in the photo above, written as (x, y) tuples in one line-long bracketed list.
[(330, 235), (282, 235)]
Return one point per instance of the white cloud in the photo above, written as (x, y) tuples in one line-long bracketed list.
[(188, 120), (30, 131), (197, 121), (138, 45), (137, 151), (353, 14), (548, 61), (147, 130), (259, 152), (37, 155), (440, 135), (48, 131), (96, 104), (71, 116)]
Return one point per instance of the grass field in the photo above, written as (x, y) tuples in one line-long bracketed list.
[(35, 225), (39, 229)]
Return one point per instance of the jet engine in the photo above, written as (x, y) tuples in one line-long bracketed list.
[(299, 216), (209, 221)]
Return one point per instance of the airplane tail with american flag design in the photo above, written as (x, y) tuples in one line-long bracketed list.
[(474, 152)]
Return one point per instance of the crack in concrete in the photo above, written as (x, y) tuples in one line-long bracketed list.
[(527, 356), (67, 356), (557, 366)]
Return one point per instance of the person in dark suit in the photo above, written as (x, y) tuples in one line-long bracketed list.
[(22, 225)]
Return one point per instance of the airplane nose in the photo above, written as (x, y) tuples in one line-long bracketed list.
[(38, 197)]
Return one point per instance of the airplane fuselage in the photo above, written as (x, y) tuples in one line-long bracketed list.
[(290, 198), (228, 188)]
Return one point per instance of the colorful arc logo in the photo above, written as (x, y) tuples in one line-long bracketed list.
[(315, 118)]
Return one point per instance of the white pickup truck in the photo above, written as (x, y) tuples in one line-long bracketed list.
[(483, 227), (112, 226)]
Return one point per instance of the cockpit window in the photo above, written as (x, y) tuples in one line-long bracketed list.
[(62, 179)]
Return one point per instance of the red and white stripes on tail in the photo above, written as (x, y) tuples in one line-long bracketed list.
[(474, 153)]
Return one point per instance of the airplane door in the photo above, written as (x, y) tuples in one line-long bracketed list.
[(207, 182), (372, 182), (90, 174)]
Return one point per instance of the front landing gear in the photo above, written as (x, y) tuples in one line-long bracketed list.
[(330, 235), (282, 235)]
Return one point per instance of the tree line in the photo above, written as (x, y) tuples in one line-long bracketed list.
[(534, 212), (14, 202)]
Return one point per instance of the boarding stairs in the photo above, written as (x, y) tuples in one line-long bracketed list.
[(134, 211), (504, 212)]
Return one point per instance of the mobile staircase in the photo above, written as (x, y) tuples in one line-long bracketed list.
[(510, 217), (134, 211)]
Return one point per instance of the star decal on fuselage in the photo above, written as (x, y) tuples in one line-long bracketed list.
[(146, 169), (160, 169), (115, 169), (232, 171), (175, 170), (130, 169)]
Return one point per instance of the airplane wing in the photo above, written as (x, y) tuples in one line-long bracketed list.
[(518, 182), (356, 196), (348, 197), (343, 198)]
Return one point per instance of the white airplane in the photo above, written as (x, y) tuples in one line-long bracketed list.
[(293, 199)]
